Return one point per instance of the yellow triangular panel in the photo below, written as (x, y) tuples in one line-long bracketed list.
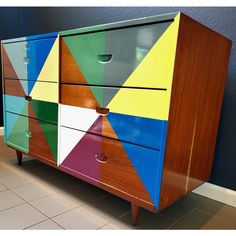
[(50, 70), (155, 71), (45, 92)]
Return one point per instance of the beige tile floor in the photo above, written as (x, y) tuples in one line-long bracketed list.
[(36, 196)]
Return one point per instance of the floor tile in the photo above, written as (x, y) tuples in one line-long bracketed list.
[(15, 180), (9, 199), (227, 213), (5, 171), (195, 220), (86, 193), (32, 191), (147, 220), (177, 211), (2, 187), (219, 223), (80, 218), (20, 217), (117, 226), (55, 204), (46, 225)]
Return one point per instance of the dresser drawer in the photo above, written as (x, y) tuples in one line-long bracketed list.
[(129, 168), (42, 91), (41, 110), (110, 57), (148, 103), (31, 136), (25, 60), (133, 129)]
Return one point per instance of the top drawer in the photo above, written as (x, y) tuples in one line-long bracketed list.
[(31, 60), (140, 56)]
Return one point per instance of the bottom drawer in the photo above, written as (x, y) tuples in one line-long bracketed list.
[(119, 165), (31, 136)]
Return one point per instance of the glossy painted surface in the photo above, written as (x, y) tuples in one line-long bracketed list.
[(133, 129), (29, 57), (17, 53), (17, 131), (43, 140), (135, 102), (85, 50), (128, 158), (129, 23)]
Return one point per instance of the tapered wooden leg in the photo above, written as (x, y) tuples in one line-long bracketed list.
[(135, 213), (19, 157)]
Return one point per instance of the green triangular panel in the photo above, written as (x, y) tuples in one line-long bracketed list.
[(18, 136), (46, 111), (86, 50), (50, 132)]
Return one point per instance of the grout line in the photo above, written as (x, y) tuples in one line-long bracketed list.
[(13, 206), (57, 223), (181, 218), (35, 224), (30, 204)]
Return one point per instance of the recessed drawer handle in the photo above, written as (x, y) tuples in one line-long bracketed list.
[(105, 58), (28, 98), (26, 60), (101, 158), (28, 133), (102, 111)]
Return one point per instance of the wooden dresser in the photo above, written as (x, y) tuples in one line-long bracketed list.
[(132, 107)]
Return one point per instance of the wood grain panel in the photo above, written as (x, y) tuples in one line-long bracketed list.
[(69, 70), (13, 87), (80, 96), (199, 77)]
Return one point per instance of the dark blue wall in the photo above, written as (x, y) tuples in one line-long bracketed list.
[(17, 22)]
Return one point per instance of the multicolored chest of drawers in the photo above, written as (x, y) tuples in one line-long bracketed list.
[(132, 107)]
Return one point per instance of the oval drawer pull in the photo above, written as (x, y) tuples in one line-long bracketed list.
[(102, 111), (26, 46), (101, 158), (28, 133), (105, 58), (28, 98), (26, 60)]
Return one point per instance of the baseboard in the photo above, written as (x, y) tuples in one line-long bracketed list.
[(217, 193), (1, 131)]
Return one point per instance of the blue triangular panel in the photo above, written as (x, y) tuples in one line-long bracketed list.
[(37, 53), (143, 131), (148, 163)]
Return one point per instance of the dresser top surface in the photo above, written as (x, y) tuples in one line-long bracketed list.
[(122, 24), (33, 37), (114, 25)]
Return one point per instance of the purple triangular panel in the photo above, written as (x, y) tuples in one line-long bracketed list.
[(82, 158)]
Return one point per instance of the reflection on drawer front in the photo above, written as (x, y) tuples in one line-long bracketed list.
[(31, 135), (137, 102), (133, 129), (25, 60), (129, 168), (110, 57), (15, 60)]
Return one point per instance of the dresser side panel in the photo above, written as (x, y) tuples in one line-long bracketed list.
[(197, 92)]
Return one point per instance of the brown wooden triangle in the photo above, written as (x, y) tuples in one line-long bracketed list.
[(70, 71), (107, 130), (118, 171), (38, 144), (8, 70), (12, 85)]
